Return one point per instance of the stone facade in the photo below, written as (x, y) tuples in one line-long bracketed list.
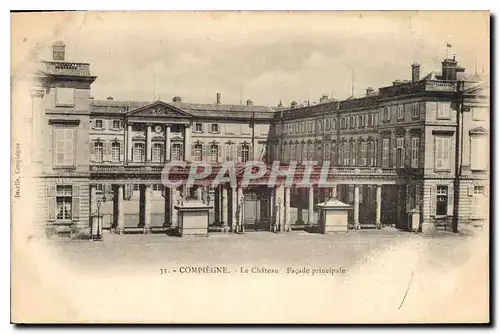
[(393, 150)]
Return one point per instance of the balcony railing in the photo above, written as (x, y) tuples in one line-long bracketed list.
[(65, 68)]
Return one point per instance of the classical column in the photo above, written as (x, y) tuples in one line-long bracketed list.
[(167, 142), (187, 142), (224, 213), (280, 201), (129, 143), (166, 206), (217, 205), (286, 225), (240, 225), (148, 143), (147, 207), (234, 203), (93, 200), (272, 209), (120, 223), (199, 194), (174, 195), (310, 207), (378, 203), (356, 206)]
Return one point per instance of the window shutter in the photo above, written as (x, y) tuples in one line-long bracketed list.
[(470, 190), (450, 200), (76, 203), (122, 151), (433, 199), (394, 153), (51, 202), (91, 151)]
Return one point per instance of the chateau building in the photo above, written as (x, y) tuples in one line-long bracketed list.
[(417, 145)]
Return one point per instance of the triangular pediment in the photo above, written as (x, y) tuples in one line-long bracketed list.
[(478, 131), (159, 109)]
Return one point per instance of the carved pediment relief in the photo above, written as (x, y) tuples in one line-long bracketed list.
[(159, 109)]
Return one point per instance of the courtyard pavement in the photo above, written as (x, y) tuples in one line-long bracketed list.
[(257, 248)]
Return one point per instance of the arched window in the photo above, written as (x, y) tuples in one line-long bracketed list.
[(333, 156), (352, 149)]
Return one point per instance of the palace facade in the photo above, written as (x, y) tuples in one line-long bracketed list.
[(417, 145)]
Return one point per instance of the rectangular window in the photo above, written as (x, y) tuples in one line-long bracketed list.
[(303, 127), (98, 124), (478, 190), (401, 111), (214, 152), (176, 152), (64, 146), (229, 152), (197, 152), (478, 152), (442, 153), (363, 153), (385, 152), (418, 196), (115, 152), (415, 151), (99, 187), (415, 110), (443, 110), (136, 187), (245, 152), (157, 153), (116, 125), (157, 187), (309, 127), (400, 151), (479, 114), (370, 120), (138, 155), (327, 125), (442, 201), (65, 97), (198, 127), (387, 114), (64, 202), (214, 127)]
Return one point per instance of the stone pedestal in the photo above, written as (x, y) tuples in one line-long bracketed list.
[(193, 218), (413, 220), (333, 216)]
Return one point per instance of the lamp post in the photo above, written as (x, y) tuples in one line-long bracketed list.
[(98, 223)]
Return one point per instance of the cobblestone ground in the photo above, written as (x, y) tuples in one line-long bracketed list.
[(256, 248)]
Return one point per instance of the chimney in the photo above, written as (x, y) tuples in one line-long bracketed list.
[(449, 69), (218, 98), (293, 104), (415, 72), (58, 51), (280, 104), (323, 98), (249, 102), (177, 99), (369, 91), (109, 98)]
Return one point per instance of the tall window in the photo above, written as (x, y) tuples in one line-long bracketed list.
[(64, 202), (346, 154), (138, 152), (385, 152), (333, 156), (400, 152), (98, 151), (197, 152), (479, 202), (442, 153), (116, 124), (415, 110), (64, 146), (176, 152), (214, 152), (352, 149), (443, 110), (229, 152), (369, 120), (245, 153), (326, 150), (157, 153), (414, 152), (478, 148), (115, 152), (442, 201), (298, 152), (387, 114), (292, 152), (401, 111), (363, 153)]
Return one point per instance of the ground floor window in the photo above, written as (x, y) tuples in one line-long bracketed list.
[(64, 202), (442, 201)]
